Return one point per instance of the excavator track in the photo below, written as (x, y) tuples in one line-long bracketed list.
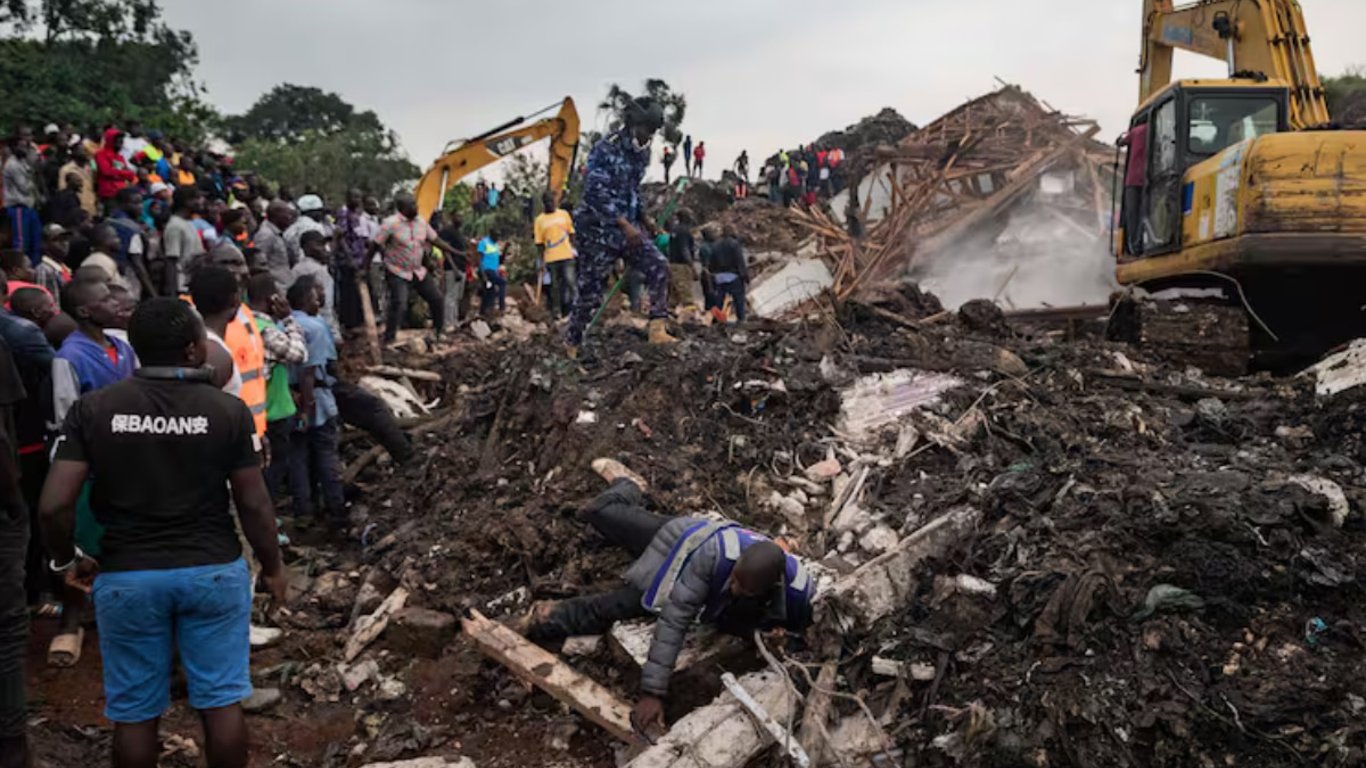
[(1209, 334)]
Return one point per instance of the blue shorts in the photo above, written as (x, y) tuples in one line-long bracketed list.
[(205, 611)]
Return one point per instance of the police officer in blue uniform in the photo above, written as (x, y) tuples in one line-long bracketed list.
[(610, 226), (687, 569)]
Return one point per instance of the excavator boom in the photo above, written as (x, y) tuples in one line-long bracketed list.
[(1257, 38), (473, 154)]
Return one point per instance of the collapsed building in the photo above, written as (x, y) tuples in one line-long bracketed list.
[(1004, 196)]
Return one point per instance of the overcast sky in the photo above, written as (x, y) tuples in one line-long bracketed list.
[(758, 74)]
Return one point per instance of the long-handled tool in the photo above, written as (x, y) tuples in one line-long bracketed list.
[(680, 187)]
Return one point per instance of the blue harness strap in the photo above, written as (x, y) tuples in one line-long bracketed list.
[(797, 585), (691, 540)]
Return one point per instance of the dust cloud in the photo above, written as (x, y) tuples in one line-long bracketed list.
[(1042, 257)]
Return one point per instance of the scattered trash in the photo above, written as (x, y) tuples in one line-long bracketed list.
[(1169, 599)]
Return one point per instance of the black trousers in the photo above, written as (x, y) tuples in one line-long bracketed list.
[(398, 303), (620, 516), (14, 533), (364, 411)]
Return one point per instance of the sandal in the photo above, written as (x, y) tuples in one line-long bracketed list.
[(65, 650), (47, 608)]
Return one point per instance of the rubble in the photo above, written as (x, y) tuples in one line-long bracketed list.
[(948, 192)]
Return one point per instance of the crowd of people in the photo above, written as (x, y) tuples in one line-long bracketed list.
[(136, 266), (164, 309)]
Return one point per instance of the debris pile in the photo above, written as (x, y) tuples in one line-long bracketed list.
[(1029, 552), (1002, 179)]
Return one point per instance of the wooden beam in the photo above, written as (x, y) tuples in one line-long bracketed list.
[(547, 672), (368, 314), (397, 373)]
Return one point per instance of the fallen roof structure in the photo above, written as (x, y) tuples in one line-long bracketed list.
[(958, 176)]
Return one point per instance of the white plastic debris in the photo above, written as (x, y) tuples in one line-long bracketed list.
[(1337, 500), (880, 399)]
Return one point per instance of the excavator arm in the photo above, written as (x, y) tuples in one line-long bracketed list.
[(472, 154), (1264, 38)]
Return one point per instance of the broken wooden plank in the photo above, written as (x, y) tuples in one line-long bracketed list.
[(818, 707), (394, 372), (368, 314), (543, 670), (721, 734), (364, 460), (370, 627), (888, 581)]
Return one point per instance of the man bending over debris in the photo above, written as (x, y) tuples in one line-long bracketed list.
[(686, 569), (609, 222)]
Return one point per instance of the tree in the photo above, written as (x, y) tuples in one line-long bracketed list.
[(90, 62), (1347, 97), (330, 164), (675, 105), (295, 112)]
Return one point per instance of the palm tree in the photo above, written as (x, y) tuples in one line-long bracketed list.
[(673, 104)]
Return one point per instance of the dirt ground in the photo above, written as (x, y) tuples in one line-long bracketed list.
[(1106, 481)]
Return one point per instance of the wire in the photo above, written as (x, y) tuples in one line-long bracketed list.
[(1241, 296)]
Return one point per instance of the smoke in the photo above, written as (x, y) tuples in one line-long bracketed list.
[(1042, 257)]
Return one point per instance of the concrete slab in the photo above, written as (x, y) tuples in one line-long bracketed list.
[(798, 281)]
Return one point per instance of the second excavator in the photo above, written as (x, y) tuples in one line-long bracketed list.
[(460, 159)]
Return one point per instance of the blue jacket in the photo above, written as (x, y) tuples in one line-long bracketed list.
[(611, 187), (92, 365), (684, 574)]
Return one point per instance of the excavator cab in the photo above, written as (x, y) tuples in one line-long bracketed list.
[(1189, 123)]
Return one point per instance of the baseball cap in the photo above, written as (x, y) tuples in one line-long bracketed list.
[(51, 128), (159, 187), (309, 203), (55, 230)]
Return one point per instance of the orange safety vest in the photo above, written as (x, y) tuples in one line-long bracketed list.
[(249, 352)]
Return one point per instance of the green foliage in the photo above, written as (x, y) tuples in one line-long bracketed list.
[(1340, 89), (675, 105), (89, 62), (329, 164), (292, 113), (310, 139)]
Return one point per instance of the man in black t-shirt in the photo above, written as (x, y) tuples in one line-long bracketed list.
[(163, 448)]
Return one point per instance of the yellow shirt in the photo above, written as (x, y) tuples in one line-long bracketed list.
[(553, 231)]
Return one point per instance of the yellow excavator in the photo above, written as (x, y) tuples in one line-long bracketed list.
[(1247, 218), (461, 158)]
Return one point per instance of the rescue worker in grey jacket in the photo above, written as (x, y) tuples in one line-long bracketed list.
[(687, 569)]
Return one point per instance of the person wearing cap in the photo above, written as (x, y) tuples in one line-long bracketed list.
[(610, 223), (52, 272), (312, 218), (78, 166)]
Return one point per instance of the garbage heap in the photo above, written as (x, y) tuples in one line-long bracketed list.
[(1029, 553)]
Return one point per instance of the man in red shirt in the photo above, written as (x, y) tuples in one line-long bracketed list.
[(112, 171), (1135, 179)]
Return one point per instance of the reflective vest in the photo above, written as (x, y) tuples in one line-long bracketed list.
[(249, 352), (733, 540)]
